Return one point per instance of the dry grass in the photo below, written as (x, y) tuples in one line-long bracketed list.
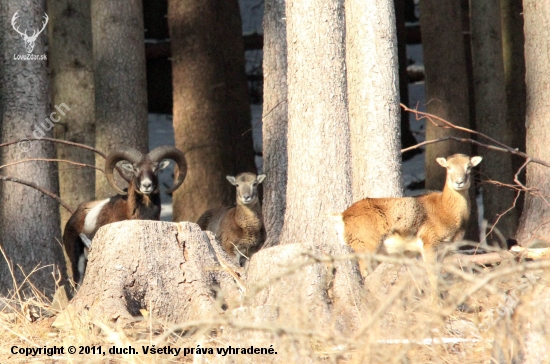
[(402, 324)]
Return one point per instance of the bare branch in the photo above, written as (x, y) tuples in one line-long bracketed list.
[(73, 144), (51, 160), (36, 187), (448, 125), (59, 141), (480, 259)]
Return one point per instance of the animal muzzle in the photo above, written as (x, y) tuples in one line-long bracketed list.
[(247, 198), (461, 184), (146, 186)]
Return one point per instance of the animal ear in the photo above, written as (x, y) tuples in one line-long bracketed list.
[(128, 166), (163, 164), (475, 160), (442, 162), (231, 180), (260, 178)]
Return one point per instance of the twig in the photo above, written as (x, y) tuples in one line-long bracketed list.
[(448, 125), (263, 117), (59, 141), (51, 160), (36, 187), (78, 145), (479, 144), (531, 253), (480, 259)]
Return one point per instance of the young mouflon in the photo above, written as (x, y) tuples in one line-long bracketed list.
[(419, 224), (239, 229)]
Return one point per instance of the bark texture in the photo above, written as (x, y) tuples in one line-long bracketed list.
[(534, 223), (446, 81), (491, 115), (275, 119), (211, 110), (72, 77), (317, 295), (29, 221), (319, 152), (120, 81), (373, 98), (514, 69), (171, 270)]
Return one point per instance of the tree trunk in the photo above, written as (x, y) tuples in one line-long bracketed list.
[(120, 81), (534, 220), (407, 137), (29, 221), (523, 337), (446, 81), (447, 89), (275, 119), (373, 97), (230, 32), (200, 128), (317, 295), (71, 64), (209, 106), (319, 151), (514, 70), (490, 105)]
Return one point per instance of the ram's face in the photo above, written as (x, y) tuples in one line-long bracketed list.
[(145, 175)]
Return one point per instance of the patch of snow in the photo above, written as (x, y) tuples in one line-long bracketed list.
[(161, 132), (252, 13), (414, 52), (413, 171)]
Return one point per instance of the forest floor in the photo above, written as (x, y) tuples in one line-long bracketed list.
[(403, 326)]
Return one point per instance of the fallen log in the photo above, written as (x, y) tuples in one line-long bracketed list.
[(480, 259), (531, 253)]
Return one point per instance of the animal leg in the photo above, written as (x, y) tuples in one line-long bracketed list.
[(87, 242)]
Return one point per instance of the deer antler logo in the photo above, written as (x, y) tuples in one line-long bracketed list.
[(29, 40)]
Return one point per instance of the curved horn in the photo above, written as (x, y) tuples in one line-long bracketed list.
[(122, 154), (167, 152)]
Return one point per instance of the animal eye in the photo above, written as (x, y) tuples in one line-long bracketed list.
[(236, 185)]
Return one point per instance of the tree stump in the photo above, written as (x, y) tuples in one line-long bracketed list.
[(179, 273), (170, 269), (305, 284)]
